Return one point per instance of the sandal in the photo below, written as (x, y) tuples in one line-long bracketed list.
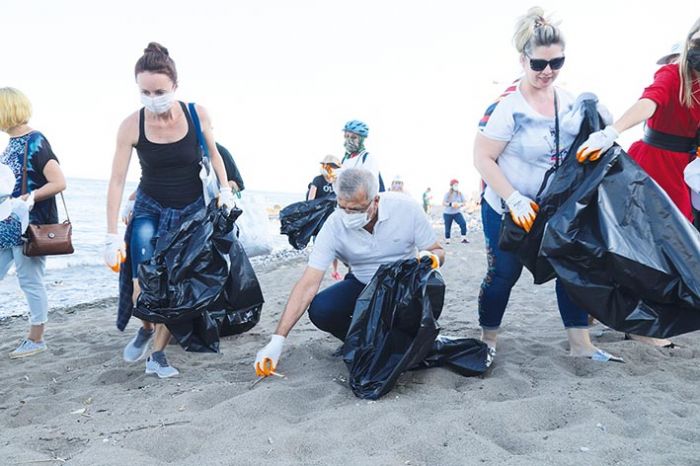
[(604, 356)]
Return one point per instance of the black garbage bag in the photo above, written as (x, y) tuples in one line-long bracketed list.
[(554, 192), (303, 220), (394, 327), (625, 253), (186, 275), (241, 302), (466, 356)]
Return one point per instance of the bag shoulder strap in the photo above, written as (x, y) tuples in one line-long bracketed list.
[(198, 128), (24, 167), (557, 154), (556, 128)]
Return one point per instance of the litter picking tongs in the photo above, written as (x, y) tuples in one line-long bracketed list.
[(264, 370)]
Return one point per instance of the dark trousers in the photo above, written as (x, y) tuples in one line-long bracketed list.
[(459, 219), (503, 271), (331, 310)]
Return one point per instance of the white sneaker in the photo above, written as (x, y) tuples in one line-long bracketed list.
[(28, 348), (137, 348), (162, 369)]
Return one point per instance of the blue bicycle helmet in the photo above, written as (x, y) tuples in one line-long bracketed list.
[(357, 127)]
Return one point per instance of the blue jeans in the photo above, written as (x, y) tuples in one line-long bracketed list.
[(331, 310), (143, 240), (503, 272), (459, 218), (30, 274)]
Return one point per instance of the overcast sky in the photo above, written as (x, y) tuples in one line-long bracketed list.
[(280, 78)]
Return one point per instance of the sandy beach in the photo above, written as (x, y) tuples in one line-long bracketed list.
[(79, 403)]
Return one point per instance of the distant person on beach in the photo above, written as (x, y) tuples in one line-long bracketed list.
[(356, 156), (516, 145), (397, 185), (322, 186), (366, 231), (164, 136), (670, 108), (453, 203), (427, 200), (27, 151)]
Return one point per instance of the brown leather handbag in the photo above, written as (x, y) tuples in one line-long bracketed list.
[(48, 239)]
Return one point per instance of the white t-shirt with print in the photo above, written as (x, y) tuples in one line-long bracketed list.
[(531, 147), (402, 229)]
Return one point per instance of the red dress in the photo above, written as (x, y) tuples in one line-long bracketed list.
[(671, 117)]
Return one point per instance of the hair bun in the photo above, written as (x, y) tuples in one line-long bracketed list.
[(155, 47), (540, 22)]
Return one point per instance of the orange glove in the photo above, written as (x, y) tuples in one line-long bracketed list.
[(433, 257), (523, 210), (267, 358), (597, 144), (114, 252)]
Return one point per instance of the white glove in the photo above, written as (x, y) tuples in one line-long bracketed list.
[(597, 144), (523, 210), (30, 201), (226, 198), (267, 358), (126, 211), (114, 251), (433, 257)]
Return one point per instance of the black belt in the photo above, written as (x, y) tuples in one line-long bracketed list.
[(669, 141)]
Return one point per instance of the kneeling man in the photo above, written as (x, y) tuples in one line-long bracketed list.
[(367, 230)]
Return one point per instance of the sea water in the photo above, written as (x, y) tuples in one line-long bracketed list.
[(82, 277)]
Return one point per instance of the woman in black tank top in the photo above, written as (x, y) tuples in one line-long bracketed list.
[(169, 153), (170, 171)]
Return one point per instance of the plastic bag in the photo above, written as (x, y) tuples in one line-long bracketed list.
[(625, 253), (303, 220), (618, 244), (466, 356), (186, 275), (394, 329), (242, 299), (255, 233)]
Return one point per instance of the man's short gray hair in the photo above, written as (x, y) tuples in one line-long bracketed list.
[(352, 181)]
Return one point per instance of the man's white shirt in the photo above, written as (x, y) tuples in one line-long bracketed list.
[(401, 230)]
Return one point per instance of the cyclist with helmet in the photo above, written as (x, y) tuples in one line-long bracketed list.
[(356, 156)]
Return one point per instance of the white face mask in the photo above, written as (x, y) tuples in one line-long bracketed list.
[(354, 221), (158, 104), (455, 187)]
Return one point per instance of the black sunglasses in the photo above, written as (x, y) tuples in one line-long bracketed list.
[(538, 64)]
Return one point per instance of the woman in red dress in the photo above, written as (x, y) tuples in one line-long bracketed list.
[(671, 108)]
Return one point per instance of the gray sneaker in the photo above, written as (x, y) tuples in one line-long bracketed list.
[(157, 364), (28, 348), (138, 346)]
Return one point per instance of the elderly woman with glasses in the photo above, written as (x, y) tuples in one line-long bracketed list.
[(516, 146)]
